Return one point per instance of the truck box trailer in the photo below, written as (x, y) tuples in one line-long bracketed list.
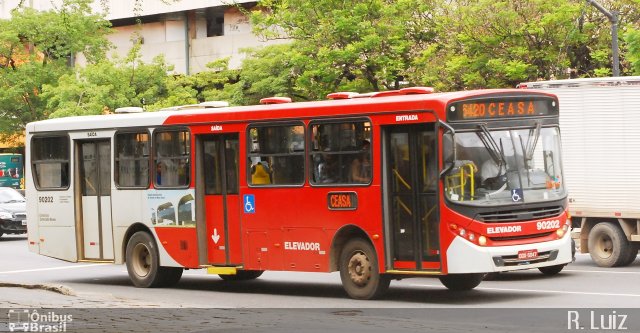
[(600, 128)]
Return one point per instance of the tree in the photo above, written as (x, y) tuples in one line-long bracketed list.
[(633, 42), (35, 50), (362, 44), (108, 84)]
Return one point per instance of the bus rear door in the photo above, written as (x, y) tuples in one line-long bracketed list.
[(94, 184), (410, 157)]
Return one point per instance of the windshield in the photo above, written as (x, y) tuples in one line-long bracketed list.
[(8, 195), (506, 166)]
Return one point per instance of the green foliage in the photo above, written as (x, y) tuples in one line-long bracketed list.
[(364, 44), (332, 45), (633, 43), (107, 85), (35, 49)]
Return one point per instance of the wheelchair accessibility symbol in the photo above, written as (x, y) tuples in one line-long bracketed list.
[(249, 203), (516, 195)]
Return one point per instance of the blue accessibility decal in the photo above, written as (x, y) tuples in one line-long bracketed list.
[(249, 203)]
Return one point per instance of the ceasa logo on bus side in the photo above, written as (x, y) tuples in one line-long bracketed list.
[(342, 200)]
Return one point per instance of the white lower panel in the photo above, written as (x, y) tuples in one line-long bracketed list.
[(58, 242), (107, 228), (465, 257), (90, 228)]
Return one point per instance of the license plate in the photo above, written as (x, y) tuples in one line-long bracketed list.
[(527, 254), (24, 222)]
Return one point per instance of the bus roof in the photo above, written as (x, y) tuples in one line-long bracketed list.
[(284, 111)]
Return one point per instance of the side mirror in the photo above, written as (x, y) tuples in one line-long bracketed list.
[(448, 151)]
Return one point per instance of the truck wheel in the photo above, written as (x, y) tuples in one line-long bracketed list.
[(241, 276), (551, 270), (462, 282), (633, 253), (608, 246), (143, 263), (359, 272)]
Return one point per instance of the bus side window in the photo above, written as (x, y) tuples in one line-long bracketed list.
[(276, 155), (341, 153), (51, 162), (172, 152)]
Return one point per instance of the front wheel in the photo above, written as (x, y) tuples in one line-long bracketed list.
[(462, 282), (551, 270), (143, 263), (359, 272)]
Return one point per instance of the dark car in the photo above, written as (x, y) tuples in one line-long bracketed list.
[(13, 212)]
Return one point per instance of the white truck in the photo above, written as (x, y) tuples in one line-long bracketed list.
[(600, 128)]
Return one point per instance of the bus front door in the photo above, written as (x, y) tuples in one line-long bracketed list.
[(94, 183), (218, 161), (411, 198)]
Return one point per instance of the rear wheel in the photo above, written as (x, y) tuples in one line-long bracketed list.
[(143, 263), (462, 282), (241, 276), (608, 246), (551, 270), (359, 272)]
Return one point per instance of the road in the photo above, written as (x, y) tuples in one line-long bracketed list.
[(582, 285)]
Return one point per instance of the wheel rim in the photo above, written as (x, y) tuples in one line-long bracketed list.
[(359, 269), (141, 260), (604, 247)]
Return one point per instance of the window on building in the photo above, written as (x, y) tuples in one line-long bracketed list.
[(50, 162), (215, 21), (172, 152), (340, 153), (276, 155), (132, 159)]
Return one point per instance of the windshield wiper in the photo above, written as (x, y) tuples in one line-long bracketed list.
[(495, 151), (532, 141)]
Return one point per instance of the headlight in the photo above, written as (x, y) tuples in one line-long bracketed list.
[(6, 216)]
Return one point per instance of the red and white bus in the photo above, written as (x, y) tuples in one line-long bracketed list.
[(378, 186)]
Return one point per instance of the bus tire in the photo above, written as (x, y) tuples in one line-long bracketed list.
[(551, 270), (143, 261), (241, 276), (359, 271), (170, 276), (462, 282), (608, 246)]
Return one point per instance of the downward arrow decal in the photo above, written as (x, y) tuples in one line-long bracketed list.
[(215, 236)]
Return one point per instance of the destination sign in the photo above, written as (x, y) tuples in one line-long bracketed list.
[(485, 109), (342, 200)]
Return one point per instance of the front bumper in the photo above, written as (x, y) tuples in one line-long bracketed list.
[(14, 226), (465, 257)]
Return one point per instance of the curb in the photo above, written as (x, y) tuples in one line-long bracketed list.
[(63, 290)]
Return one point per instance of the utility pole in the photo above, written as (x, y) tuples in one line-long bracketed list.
[(613, 18)]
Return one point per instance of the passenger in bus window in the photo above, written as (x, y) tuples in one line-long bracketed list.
[(326, 170), (159, 173), (260, 174), (361, 165)]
